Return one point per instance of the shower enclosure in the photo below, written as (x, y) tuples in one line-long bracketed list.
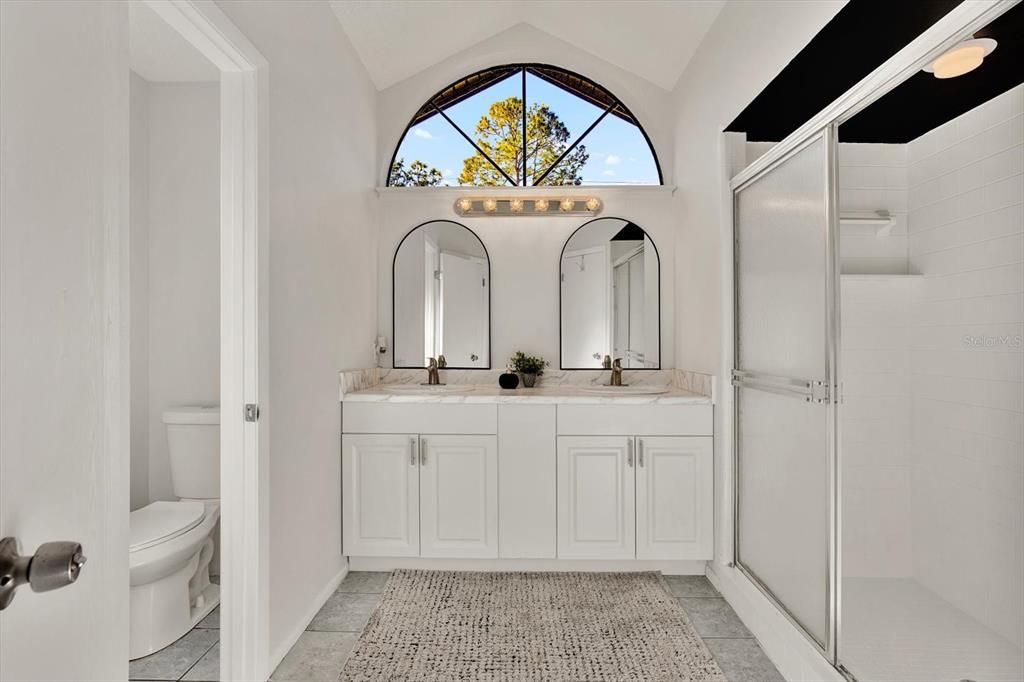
[(878, 404)]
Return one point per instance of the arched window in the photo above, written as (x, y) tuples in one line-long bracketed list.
[(523, 125)]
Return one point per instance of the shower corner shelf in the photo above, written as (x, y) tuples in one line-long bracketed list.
[(880, 220)]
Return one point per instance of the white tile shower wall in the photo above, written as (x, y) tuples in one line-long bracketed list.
[(967, 239), (876, 425), (873, 177)]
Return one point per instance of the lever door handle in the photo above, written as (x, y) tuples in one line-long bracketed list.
[(54, 565)]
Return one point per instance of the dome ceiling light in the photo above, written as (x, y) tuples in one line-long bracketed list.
[(962, 58)]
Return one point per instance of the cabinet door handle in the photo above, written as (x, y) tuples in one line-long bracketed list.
[(629, 451), (412, 451), (423, 451), (640, 451)]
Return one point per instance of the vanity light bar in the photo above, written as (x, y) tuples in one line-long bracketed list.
[(517, 206)]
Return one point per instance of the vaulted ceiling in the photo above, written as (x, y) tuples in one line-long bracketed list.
[(653, 40)]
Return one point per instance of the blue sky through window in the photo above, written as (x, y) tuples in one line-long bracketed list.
[(618, 151)]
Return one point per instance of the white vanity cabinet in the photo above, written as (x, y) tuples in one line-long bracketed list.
[(526, 483), (410, 495), (626, 497)]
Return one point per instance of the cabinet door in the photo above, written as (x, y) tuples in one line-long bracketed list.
[(596, 513), (459, 501), (674, 489), (380, 495)]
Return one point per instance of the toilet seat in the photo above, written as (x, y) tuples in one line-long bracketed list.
[(160, 522)]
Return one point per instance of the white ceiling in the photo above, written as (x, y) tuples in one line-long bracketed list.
[(653, 39), (159, 54)]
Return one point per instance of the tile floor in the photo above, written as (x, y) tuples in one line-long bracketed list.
[(320, 653), (322, 649), (193, 658)]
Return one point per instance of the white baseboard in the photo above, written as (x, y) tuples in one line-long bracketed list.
[(625, 565), (795, 657), (330, 588)]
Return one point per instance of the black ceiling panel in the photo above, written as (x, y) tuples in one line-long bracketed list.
[(862, 36)]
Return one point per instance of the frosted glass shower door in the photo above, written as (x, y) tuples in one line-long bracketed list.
[(782, 379)]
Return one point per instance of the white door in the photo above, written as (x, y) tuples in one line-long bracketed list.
[(596, 513), (380, 495), (459, 504), (63, 459), (464, 316), (674, 487)]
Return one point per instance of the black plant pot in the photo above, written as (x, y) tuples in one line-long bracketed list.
[(508, 380)]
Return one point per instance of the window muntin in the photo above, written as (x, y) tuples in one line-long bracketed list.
[(471, 133)]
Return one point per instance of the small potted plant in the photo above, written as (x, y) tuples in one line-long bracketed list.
[(529, 367)]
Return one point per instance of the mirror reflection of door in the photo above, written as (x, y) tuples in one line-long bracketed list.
[(610, 296), (441, 298)]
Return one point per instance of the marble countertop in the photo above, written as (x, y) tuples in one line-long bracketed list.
[(552, 394)]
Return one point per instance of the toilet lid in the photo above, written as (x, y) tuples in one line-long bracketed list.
[(162, 521)]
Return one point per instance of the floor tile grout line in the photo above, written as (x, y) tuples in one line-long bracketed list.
[(182, 677)]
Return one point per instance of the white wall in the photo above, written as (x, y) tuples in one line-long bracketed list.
[(967, 239), (181, 266), (524, 253), (64, 125), (322, 285), (734, 63), (138, 266), (524, 43)]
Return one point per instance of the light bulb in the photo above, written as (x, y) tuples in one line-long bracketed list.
[(490, 205), (593, 203), (516, 205), (540, 205), (567, 204), (465, 205)]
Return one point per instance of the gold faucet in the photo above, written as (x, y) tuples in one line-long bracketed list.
[(616, 379), (433, 378)]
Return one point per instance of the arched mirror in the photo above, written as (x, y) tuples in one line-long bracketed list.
[(611, 297), (442, 301)]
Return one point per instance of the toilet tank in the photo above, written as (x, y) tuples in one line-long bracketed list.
[(193, 442)]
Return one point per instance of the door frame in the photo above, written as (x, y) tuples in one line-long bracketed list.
[(959, 24), (244, 331)]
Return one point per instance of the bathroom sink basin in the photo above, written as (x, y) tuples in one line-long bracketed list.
[(422, 389), (625, 390)]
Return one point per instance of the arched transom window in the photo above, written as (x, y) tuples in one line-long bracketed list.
[(524, 125)]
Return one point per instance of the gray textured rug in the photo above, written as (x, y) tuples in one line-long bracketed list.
[(446, 625)]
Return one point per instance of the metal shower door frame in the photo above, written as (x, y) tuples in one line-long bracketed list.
[(820, 390)]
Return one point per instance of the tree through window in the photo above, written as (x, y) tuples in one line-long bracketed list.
[(523, 125)]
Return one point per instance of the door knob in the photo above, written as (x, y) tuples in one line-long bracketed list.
[(54, 565)]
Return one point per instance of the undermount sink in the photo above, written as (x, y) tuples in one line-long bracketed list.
[(426, 388), (626, 390)]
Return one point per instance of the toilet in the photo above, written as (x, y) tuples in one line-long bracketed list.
[(172, 544)]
